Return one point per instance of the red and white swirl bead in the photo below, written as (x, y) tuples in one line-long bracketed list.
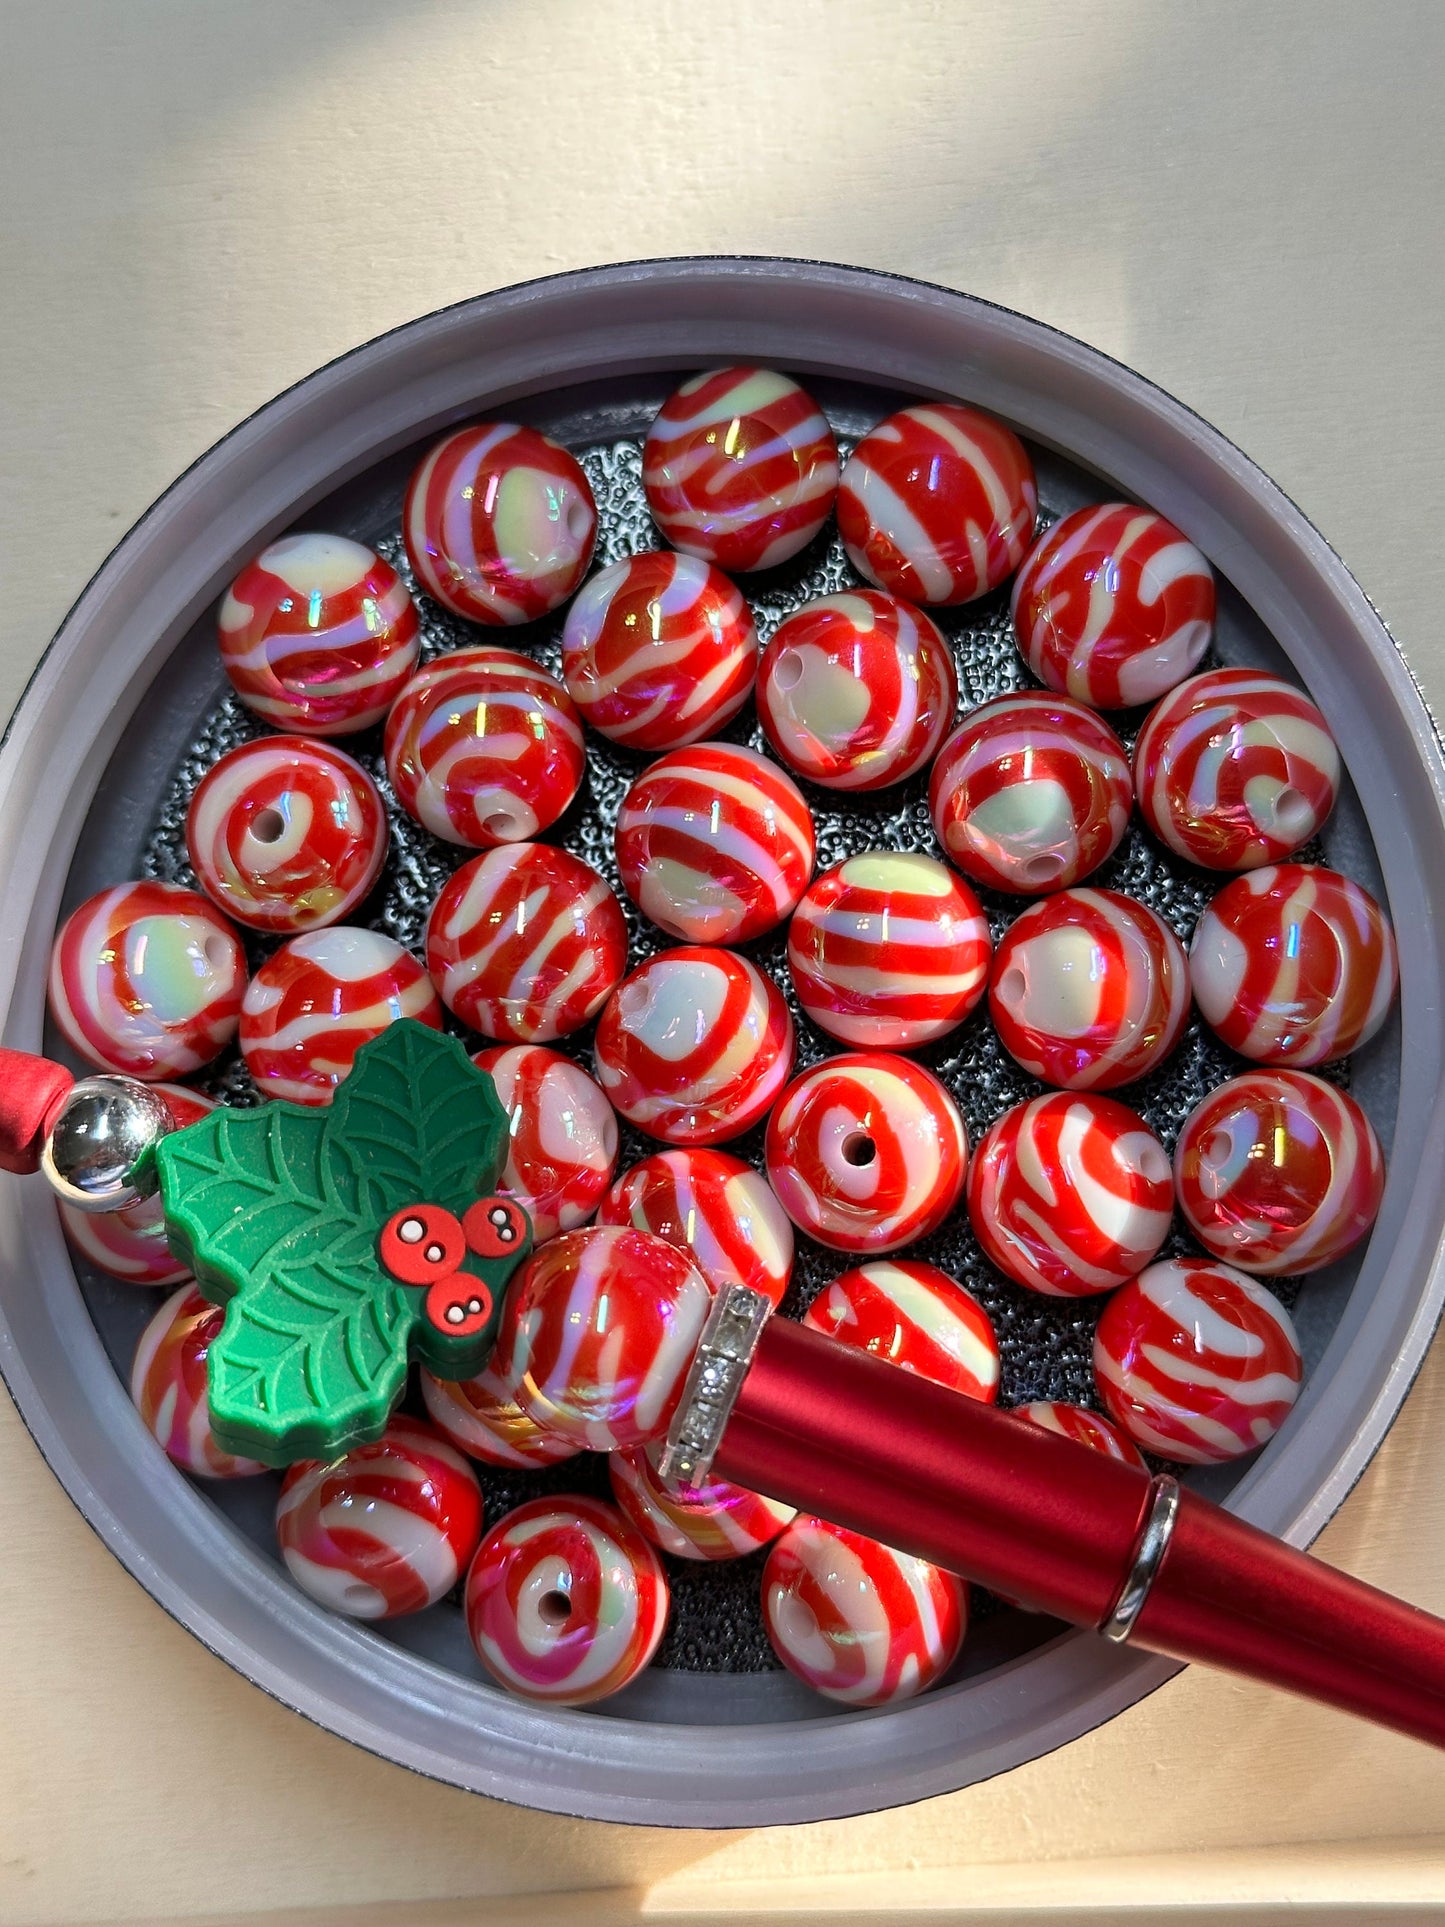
[(1030, 793), (938, 503), (499, 523), (484, 747), (1293, 965), (286, 834), (314, 1003), (1278, 1171), (1197, 1362), (131, 1244), (147, 979), (387, 1528), (525, 943), (599, 1330), (482, 1419), (740, 467), (857, 1621), (169, 1386), (715, 844), (857, 690), (889, 950), (1084, 1427), (566, 1601), (1089, 990), (562, 1147), (914, 1316), (1235, 768), (1070, 1194), (714, 1520), (659, 650), (1113, 606), (694, 1046), (713, 1207), (866, 1152), (318, 635)]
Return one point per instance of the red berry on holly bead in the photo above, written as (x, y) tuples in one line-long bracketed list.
[(420, 1244)]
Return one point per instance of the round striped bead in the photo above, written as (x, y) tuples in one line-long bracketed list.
[(286, 834), (318, 635), (1113, 606), (169, 1386), (715, 1520), (938, 503), (131, 1244), (1197, 1362), (1030, 793), (562, 1147), (713, 1207), (1070, 1195), (914, 1316), (740, 467), (499, 523), (1084, 1427), (866, 1152), (598, 1333), (482, 1419), (385, 1529), (1235, 769), (659, 650), (1278, 1171), (715, 844), (147, 979), (1293, 965), (314, 1003), (857, 690), (1089, 990), (484, 747), (889, 950), (566, 1601), (857, 1621), (525, 943), (694, 1046)]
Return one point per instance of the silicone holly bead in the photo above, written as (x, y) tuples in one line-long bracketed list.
[(562, 1142), (1278, 1171), (499, 523), (857, 1621), (712, 1521), (484, 747), (1235, 769), (566, 1601), (598, 1334), (889, 950), (857, 690), (318, 635), (286, 834), (1113, 606), (694, 1046), (1084, 1427), (1030, 793), (146, 979), (481, 1418), (715, 844), (914, 1316), (713, 1207), (1089, 990), (938, 503), (659, 650), (525, 943), (1197, 1362), (168, 1385), (384, 1530), (131, 1244), (318, 999), (866, 1152), (1293, 965), (1070, 1194)]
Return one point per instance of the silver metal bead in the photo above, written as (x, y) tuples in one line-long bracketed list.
[(104, 1128)]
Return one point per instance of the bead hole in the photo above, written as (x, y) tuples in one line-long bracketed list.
[(502, 825), (269, 826), (859, 1149), (1037, 871), (788, 670), (1012, 990), (578, 521), (218, 952), (554, 1608), (1292, 814)]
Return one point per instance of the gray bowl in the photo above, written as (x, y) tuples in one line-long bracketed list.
[(113, 704)]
